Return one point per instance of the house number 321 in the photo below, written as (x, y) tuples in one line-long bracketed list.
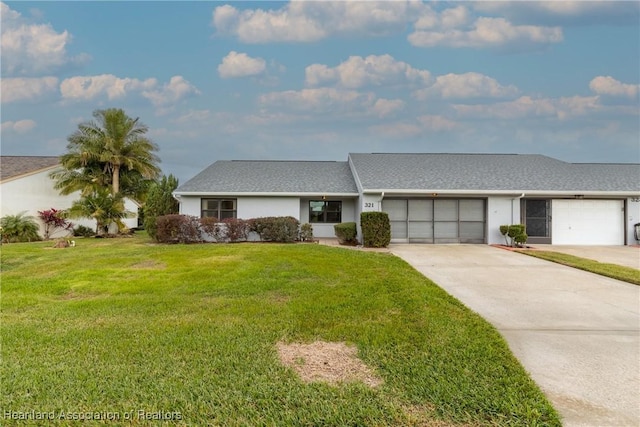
[(368, 205)]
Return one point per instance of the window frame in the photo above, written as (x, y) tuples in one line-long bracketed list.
[(327, 216), (219, 211)]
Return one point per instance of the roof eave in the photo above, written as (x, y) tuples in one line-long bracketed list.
[(26, 174), (262, 194), (514, 192)]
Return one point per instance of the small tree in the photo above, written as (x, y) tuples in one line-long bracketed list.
[(19, 228), (160, 201), (53, 220), (102, 206), (514, 234)]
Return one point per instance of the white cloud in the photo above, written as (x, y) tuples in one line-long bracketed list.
[(29, 49), (566, 12), (302, 21), (488, 33), (85, 88), (25, 88), (176, 90), (467, 85), (607, 85), (194, 116), (386, 107), (528, 107), (397, 130), (319, 100), (88, 88), (240, 65), (21, 126), (427, 124), (436, 123), (374, 70)]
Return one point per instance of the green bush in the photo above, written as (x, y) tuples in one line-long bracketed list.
[(283, 229), (213, 228), (346, 233), (83, 231), (376, 229), (514, 234), (178, 229), (19, 228), (235, 230), (306, 232)]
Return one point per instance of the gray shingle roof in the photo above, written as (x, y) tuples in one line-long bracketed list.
[(492, 172), (243, 176), (13, 166)]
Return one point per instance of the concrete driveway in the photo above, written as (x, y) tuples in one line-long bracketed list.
[(576, 333)]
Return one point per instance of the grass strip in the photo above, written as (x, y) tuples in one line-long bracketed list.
[(614, 271)]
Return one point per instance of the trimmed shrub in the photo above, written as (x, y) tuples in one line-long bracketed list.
[(236, 230), (306, 232), (83, 231), (178, 229), (376, 229), (211, 227), (514, 234), (19, 228), (283, 229), (346, 233)]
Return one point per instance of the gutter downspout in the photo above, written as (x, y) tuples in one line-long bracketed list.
[(512, 200), (380, 202)]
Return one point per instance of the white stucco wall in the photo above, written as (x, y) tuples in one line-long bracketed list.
[(33, 193), (256, 207), (633, 217), (190, 205), (501, 211)]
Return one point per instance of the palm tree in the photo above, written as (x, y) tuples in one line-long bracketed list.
[(104, 207), (107, 152)]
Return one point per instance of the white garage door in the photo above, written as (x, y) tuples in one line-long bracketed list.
[(587, 222)]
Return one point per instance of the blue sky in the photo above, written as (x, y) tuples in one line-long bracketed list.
[(317, 80)]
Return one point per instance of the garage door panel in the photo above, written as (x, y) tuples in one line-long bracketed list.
[(445, 210), (420, 210), (396, 209), (587, 222), (472, 232), (437, 220), (445, 230), (421, 229), (398, 229), (471, 210)]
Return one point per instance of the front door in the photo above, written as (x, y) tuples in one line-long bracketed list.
[(537, 219)]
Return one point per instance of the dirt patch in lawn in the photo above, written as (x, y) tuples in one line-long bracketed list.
[(331, 362)]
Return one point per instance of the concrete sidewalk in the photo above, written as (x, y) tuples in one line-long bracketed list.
[(576, 333), (628, 256)]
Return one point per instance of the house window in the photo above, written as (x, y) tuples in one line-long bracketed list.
[(219, 208), (325, 211)]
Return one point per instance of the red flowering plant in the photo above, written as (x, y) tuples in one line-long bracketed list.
[(54, 220)]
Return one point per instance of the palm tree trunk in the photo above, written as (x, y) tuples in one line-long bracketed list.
[(116, 180)]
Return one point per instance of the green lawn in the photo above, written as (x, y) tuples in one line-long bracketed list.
[(615, 271), (124, 325)]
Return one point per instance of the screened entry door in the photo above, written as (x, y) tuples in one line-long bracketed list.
[(436, 220), (537, 219)]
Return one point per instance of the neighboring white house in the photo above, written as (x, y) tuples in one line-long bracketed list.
[(25, 186), (431, 198)]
